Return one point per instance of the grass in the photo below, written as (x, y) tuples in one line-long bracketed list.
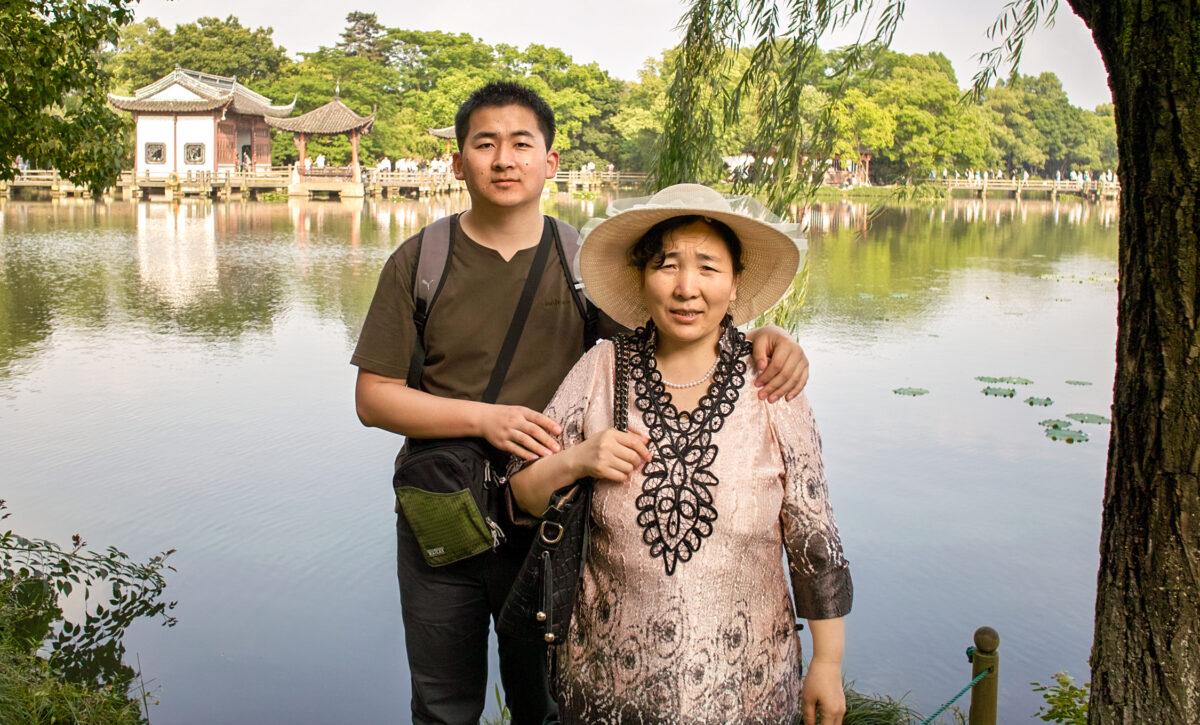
[(31, 694)]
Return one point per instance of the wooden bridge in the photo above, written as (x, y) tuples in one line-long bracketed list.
[(248, 184), (1094, 190)]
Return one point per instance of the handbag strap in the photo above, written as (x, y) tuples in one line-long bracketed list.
[(620, 384), (562, 496)]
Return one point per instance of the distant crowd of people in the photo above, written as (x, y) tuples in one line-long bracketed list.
[(440, 165), (1107, 176)]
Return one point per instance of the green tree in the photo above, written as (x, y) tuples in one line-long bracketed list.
[(364, 85), (147, 51), (52, 88), (861, 126), (1014, 135), (1146, 655), (934, 129), (365, 36), (1061, 125)]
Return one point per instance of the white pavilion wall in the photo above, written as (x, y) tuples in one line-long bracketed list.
[(196, 129), (155, 129)]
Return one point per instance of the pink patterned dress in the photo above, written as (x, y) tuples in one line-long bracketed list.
[(684, 613)]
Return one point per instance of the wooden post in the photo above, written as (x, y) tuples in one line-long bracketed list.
[(354, 150), (984, 695), (301, 144)]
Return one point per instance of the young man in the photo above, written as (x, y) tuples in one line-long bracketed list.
[(505, 138)]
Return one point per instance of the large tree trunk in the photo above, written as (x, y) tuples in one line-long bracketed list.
[(1146, 656)]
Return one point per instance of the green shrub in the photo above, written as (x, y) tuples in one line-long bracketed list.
[(1066, 702), (54, 669)]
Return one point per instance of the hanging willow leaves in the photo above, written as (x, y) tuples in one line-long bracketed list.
[(790, 144)]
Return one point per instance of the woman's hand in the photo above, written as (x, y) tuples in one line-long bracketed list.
[(823, 692), (612, 455)]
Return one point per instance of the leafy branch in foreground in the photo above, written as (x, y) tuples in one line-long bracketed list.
[(1016, 22), (53, 108), (774, 86), (38, 576)]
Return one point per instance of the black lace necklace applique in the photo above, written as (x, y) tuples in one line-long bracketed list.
[(675, 508)]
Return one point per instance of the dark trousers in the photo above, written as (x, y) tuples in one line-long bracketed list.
[(447, 615)]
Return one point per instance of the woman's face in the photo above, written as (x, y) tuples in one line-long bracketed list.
[(689, 290)]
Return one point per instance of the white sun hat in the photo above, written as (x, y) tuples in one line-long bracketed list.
[(771, 250)]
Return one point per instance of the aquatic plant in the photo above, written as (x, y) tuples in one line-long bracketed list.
[(1007, 380), (1055, 423), (1078, 382), (999, 392), (1089, 418), (1043, 402), (1066, 435), (911, 391)]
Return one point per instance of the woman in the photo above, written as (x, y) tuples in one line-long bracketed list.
[(683, 613)]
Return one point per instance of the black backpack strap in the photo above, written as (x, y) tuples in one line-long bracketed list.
[(517, 326), (566, 242), (434, 245)]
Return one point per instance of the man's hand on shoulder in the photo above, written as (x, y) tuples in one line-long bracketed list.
[(780, 362), (525, 433)]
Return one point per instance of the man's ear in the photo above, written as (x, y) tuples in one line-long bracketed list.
[(551, 163), (457, 166)]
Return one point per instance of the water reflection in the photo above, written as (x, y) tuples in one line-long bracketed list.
[(177, 252), (220, 269)]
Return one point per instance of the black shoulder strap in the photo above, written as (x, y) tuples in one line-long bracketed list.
[(566, 241), (429, 276), (509, 348)]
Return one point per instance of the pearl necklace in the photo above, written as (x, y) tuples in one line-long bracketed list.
[(694, 383)]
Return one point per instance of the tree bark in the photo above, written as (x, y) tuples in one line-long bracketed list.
[(1146, 652)]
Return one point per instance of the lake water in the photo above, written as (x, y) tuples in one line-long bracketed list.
[(178, 377)]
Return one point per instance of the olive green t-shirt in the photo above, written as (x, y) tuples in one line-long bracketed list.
[(467, 325)]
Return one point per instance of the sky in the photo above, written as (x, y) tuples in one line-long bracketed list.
[(620, 35)]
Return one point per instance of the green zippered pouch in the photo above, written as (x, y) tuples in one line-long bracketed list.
[(448, 526)]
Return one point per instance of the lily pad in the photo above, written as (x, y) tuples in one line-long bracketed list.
[(911, 391), (1078, 382), (1007, 380), (1066, 435), (1056, 423), (999, 392), (1016, 381), (1043, 402), (1089, 418)]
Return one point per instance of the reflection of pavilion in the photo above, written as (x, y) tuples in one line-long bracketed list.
[(176, 249)]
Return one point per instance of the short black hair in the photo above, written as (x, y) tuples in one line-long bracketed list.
[(504, 93), (649, 248)]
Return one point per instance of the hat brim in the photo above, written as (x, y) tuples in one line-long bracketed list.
[(770, 261)]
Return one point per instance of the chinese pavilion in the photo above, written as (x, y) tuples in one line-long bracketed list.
[(192, 121), (332, 119)]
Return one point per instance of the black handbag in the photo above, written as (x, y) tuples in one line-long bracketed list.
[(542, 599)]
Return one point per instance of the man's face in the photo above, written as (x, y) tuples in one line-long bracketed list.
[(504, 159)]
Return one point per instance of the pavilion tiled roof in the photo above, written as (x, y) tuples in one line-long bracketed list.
[(333, 118), (446, 133), (215, 92)]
